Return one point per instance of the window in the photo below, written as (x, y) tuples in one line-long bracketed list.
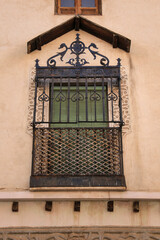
[(78, 106), (85, 7), (77, 123)]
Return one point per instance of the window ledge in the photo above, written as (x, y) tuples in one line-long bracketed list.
[(66, 195)]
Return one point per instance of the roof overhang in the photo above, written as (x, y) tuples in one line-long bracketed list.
[(77, 22)]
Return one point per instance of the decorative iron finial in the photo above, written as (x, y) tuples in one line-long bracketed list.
[(118, 62), (37, 61)]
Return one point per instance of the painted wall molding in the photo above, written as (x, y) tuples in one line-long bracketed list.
[(83, 233)]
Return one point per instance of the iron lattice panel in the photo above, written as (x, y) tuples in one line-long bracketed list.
[(77, 151)]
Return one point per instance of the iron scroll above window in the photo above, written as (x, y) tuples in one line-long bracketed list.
[(78, 48), (77, 122)]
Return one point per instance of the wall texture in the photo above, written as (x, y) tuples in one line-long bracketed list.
[(21, 21), (81, 233)]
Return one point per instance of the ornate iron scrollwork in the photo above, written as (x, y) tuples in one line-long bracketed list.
[(95, 96), (77, 97), (77, 48), (43, 97), (112, 96)]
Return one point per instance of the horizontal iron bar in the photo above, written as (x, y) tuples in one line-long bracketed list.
[(80, 122), (74, 76), (80, 72), (77, 181), (79, 128), (48, 80), (79, 67)]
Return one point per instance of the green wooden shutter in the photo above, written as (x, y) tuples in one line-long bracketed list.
[(80, 122)]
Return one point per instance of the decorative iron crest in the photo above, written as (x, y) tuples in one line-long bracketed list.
[(77, 48)]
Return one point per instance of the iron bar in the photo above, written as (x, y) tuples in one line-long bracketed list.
[(121, 120), (68, 112), (51, 102), (120, 101), (78, 128), (34, 119), (86, 98), (35, 103), (77, 101), (60, 100), (107, 104), (103, 98), (121, 151), (43, 102), (33, 151), (95, 100), (72, 122), (112, 100), (70, 73)]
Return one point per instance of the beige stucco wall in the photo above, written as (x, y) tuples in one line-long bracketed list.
[(91, 214), (21, 21)]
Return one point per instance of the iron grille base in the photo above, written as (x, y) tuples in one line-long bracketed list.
[(77, 181)]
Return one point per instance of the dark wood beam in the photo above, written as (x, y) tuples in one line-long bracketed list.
[(115, 41), (110, 206), (136, 206), (105, 34), (48, 206), (50, 35), (77, 205), (77, 23), (15, 207)]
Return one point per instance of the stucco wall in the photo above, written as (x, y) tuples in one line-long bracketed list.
[(21, 21), (91, 214)]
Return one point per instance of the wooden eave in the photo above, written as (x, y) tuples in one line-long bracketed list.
[(77, 23)]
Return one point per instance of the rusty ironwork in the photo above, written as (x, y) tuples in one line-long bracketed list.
[(77, 48), (77, 151), (71, 146)]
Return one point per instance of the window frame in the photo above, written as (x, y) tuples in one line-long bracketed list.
[(78, 10)]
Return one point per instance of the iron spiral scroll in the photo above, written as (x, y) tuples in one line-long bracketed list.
[(77, 48)]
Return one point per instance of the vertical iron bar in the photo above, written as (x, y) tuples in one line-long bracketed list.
[(43, 102), (68, 112), (120, 101), (107, 103), (51, 102), (121, 151), (120, 131), (86, 87), (103, 99), (77, 100), (35, 102), (34, 119), (95, 100), (60, 102), (33, 151), (112, 100)]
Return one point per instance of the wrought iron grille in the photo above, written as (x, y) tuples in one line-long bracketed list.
[(77, 151), (77, 122)]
